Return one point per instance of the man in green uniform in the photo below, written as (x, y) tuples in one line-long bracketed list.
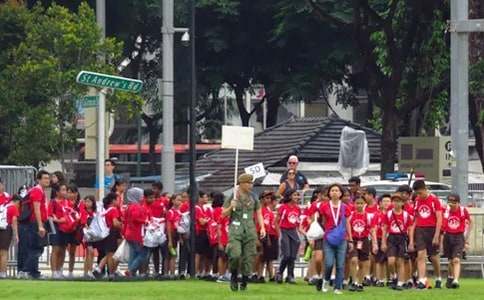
[(241, 249)]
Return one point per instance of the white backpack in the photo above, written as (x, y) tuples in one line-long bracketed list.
[(98, 230), (3, 216)]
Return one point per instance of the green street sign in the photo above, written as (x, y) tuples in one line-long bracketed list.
[(109, 81), (89, 101)]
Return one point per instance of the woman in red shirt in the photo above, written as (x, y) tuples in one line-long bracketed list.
[(8, 234), (73, 239), (56, 211), (136, 217), (287, 223), (270, 244), (173, 217), (87, 211)]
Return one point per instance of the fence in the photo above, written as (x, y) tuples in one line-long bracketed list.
[(13, 177)]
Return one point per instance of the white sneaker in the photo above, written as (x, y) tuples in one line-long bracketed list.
[(324, 289), (338, 292), (20, 275), (70, 275), (3, 275)]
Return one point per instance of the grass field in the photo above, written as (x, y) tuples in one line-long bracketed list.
[(199, 290)]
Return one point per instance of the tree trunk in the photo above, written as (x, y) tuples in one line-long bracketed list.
[(239, 97), (272, 109), (389, 140)]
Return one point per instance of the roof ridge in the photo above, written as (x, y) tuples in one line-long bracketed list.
[(358, 126)]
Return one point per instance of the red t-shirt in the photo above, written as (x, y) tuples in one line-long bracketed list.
[(111, 214), (37, 194), (84, 215), (4, 198), (12, 211), (313, 208), (394, 222), (136, 217), (185, 207), (173, 217), (379, 224), (156, 209), (455, 221), (372, 210), (361, 224), (56, 208), (305, 219), (289, 216), (425, 211), (269, 221), (325, 213), (200, 213), (223, 223)]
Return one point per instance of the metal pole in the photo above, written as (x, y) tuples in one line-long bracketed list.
[(168, 152), (101, 109), (138, 154), (193, 154), (101, 137), (459, 94)]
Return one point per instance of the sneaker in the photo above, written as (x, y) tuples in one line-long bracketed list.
[(3, 275), (331, 282), (70, 275), (278, 278), (290, 280), (97, 273), (272, 279), (319, 284), (353, 288), (397, 288), (253, 278), (338, 292), (181, 277), (438, 284), (448, 282), (324, 286), (313, 281), (20, 275), (421, 286), (234, 284), (360, 288), (380, 284), (57, 275), (243, 284), (455, 285), (261, 279), (367, 281), (89, 276)]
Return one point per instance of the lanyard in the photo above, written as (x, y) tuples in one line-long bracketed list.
[(335, 218)]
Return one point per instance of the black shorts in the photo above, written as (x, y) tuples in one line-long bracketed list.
[(6, 238), (423, 240), (270, 248), (57, 238), (397, 246), (380, 257), (69, 238), (110, 243), (318, 245), (363, 254), (454, 245), (202, 245)]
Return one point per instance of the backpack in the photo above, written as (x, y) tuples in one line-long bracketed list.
[(337, 235), (154, 235), (3, 216), (98, 230), (184, 224), (25, 208)]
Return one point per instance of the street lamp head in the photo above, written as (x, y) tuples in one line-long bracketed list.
[(185, 39)]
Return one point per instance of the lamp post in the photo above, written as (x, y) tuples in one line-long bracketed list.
[(193, 155)]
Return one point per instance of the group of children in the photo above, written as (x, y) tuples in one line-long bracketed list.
[(383, 239)]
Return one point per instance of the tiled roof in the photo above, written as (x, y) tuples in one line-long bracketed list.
[(312, 139)]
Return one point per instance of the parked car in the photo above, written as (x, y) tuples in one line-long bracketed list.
[(441, 190)]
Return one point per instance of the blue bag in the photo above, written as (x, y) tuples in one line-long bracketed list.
[(337, 235)]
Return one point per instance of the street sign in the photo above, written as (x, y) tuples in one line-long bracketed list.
[(109, 81), (89, 101)]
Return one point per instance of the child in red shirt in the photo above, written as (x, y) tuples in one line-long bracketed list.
[(456, 220), (270, 244), (11, 232), (87, 211), (287, 223), (397, 227), (428, 223), (222, 235), (362, 225), (57, 213), (156, 211), (173, 217), (202, 248), (380, 257)]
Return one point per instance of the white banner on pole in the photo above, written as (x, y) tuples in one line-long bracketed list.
[(256, 170), (238, 137)]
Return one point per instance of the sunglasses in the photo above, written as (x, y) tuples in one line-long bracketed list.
[(451, 200), (292, 163)]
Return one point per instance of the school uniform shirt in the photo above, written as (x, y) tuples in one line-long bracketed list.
[(313, 208), (4, 198), (185, 207), (37, 194), (136, 216), (361, 224), (200, 213), (455, 221), (56, 208), (379, 224), (426, 209), (372, 210), (84, 216), (305, 219), (325, 212), (269, 221), (289, 216), (173, 217), (111, 214), (156, 209), (223, 223), (12, 212), (394, 222)]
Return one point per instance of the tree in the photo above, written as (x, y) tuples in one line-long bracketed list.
[(392, 46), (39, 91)]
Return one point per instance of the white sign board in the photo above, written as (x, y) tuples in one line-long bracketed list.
[(256, 170), (238, 137)]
